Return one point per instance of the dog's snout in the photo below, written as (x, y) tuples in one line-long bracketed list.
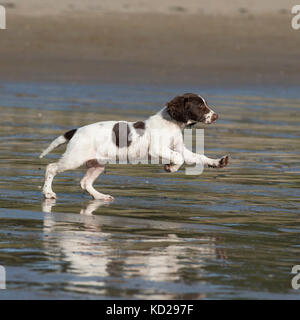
[(214, 117)]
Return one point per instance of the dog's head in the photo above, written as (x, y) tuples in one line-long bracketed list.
[(189, 109)]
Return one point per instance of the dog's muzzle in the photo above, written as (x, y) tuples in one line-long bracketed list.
[(211, 118)]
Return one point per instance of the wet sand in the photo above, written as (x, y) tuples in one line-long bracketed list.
[(145, 47)]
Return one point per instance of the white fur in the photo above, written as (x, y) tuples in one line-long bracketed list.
[(54, 144)]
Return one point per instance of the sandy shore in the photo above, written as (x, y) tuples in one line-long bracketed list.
[(211, 7), (236, 44)]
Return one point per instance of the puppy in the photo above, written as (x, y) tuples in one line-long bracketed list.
[(159, 136)]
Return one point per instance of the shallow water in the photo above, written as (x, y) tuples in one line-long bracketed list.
[(227, 233)]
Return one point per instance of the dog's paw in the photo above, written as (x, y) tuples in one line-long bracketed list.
[(108, 198), (223, 162), (104, 197), (167, 167), (171, 167), (49, 195)]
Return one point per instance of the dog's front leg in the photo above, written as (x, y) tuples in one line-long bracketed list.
[(194, 158), (174, 158)]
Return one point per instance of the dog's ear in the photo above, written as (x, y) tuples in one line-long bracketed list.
[(176, 109)]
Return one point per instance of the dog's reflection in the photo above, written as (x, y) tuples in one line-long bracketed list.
[(113, 248), (47, 205), (87, 210)]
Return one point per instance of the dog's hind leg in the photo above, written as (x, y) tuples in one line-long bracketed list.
[(86, 183), (53, 169)]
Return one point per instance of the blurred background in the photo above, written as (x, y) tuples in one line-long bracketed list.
[(191, 41)]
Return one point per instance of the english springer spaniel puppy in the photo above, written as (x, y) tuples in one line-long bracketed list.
[(159, 136)]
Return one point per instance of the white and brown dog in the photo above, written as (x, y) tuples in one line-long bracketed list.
[(160, 136)]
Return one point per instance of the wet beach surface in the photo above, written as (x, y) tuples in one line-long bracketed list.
[(228, 233)]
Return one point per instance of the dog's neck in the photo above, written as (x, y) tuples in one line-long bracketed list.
[(164, 114)]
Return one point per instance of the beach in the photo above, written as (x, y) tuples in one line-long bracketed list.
[(224, 43)]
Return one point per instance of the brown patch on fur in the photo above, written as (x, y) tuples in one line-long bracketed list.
[(120, 130), (176, 109), (92, 163), (224, 162), (68, 135), (139, 126), (211, 166)]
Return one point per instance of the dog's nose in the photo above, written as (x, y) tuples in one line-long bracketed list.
[(214, 117)]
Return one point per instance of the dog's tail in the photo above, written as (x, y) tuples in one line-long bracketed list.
[(59, 141)]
